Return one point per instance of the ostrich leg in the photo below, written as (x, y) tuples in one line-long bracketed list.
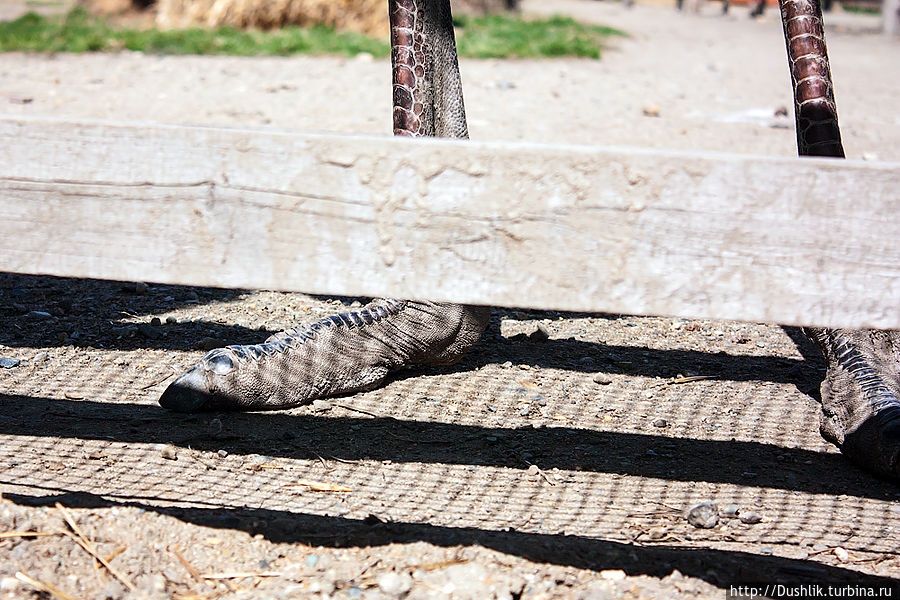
[(352, 352), (861, 391)]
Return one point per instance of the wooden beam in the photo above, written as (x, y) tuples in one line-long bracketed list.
[(794, 241)]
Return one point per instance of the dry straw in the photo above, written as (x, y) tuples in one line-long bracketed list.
[(364, 16)]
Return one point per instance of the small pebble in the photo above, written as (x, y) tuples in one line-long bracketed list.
[(155, 322), (170, 320), (9, 363), (657, 533), (491, 408), (168, 452), (651, 109), (39, 357), (38, 315), (222, 453), (216, 426), (541, 334), (841, 554), (660, 423), (506, 365), (394, 584), (602, 379), (524, 412), (311, 560), (612, 575), (148, 331), (704, 515), (140, 287), (750, 517), (354, 592), (731, 510)]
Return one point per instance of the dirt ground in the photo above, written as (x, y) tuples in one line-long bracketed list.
[(556, 466)]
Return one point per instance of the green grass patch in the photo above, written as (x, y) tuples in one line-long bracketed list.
[(477, 37), (80, 32), (861, 10), (501, 36)]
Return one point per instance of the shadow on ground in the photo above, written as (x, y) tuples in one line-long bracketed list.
[(718, 567), (104, 315), (387, 439), (99, 314)]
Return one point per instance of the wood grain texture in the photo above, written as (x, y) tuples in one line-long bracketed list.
[(794, 241)]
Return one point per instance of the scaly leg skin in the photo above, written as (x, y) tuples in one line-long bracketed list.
[(352, 352), (861, 391), (861, 396), (335, 355)]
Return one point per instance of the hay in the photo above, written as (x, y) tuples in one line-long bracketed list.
[(365, 16), (107, 8)]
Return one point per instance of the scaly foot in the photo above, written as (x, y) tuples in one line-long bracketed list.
[(861, 396), (335, 355)]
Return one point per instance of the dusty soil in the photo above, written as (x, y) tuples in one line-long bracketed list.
[(535, 468)]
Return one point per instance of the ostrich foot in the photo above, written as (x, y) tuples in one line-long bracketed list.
[(861, 396), (335, 355)]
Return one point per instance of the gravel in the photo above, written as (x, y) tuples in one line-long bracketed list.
[(704, 515), (750, 517)]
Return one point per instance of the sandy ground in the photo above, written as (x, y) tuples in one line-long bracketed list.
[(536, 468)]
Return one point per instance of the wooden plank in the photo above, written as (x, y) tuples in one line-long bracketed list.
[(795, 241)]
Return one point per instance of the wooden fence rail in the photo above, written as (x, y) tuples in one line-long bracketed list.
[(795, 241)]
